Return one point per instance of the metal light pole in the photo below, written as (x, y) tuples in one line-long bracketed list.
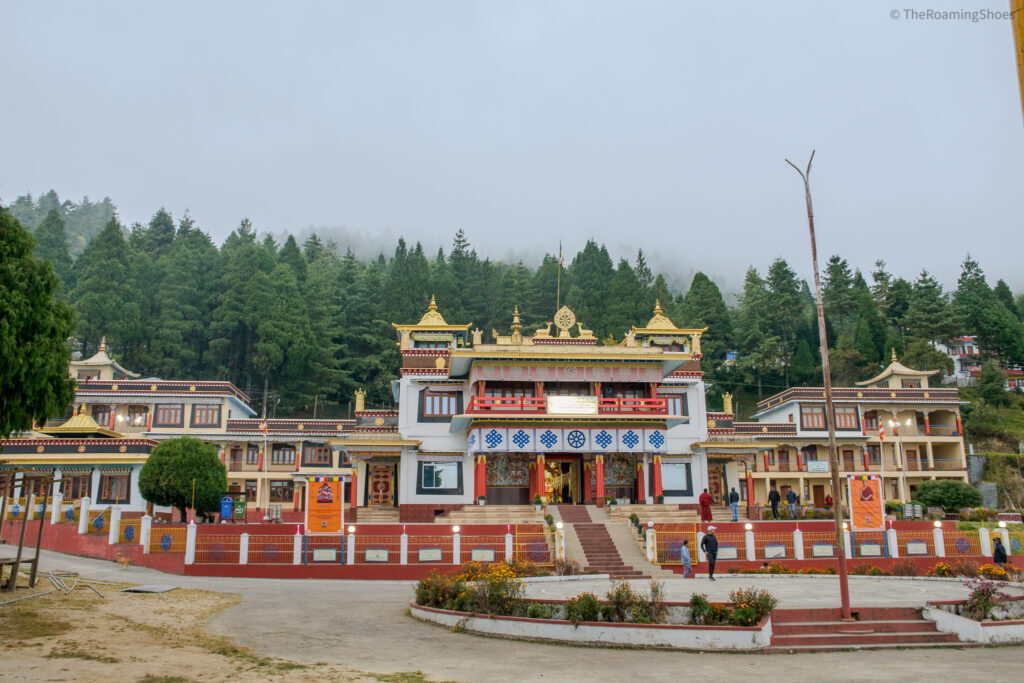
[(833, 449)]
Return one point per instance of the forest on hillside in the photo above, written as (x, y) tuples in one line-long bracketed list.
[(309, 323)]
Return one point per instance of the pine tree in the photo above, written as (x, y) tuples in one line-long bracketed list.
[(869, 338), (703, 306), (52, 245), (1003, 293), (291, 256), (105, 294), (784, 310), (589, 277), (34, 327), (284, 341), (837, 293), (803, 371), (981, 312), (929, 315)]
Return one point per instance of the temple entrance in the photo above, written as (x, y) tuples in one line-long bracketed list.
[(563, 481), (381, 490), (715, 482)]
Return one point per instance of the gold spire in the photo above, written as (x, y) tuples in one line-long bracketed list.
[(516, 324), (103, 343), (432, 317), (894, 354), (657, 307), (660, 321)]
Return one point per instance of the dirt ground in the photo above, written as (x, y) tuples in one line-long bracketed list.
[(150, 637)]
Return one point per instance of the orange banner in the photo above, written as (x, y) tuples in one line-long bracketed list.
[(323, 506), (867, 511)]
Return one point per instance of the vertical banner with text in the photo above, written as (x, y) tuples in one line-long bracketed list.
[(324, 505), (867, 510)]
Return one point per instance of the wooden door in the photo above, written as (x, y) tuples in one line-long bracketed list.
[(819, 495), (382, 485), (715, 483), (783, 460), (848, 461), (912, 462)]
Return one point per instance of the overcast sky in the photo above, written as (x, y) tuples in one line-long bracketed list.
[(661, 125)]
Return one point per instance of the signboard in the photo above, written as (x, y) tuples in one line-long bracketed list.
[(728, 552), (429, 555), (572, 405), (481, 555), (867, 513), (870, 550), (375, 555), (823, 550), (917, 548), (323, 505), (325, 554), (820, 466), (772, 552)]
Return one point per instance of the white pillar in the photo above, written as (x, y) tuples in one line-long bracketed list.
[(403, 549), (940, 544), (115, 526), (350, 551), (297, 549), (190, 543), (894, 544), (456, 548), (83, 515), (146, 533), (30, 507), (701, 557), (508, 547), (751, 550), (55, 511), (847, 544), (985, 541), (652, 541), (243, 549), (1005, 533), (798, 545), (560, 544)]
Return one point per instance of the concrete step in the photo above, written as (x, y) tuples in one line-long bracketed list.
[(792, 649), (863, 614), (845, 639), (853, 627)]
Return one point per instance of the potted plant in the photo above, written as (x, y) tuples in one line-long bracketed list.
[(481, 500), (538, 502), (661, 498), (611, 501)]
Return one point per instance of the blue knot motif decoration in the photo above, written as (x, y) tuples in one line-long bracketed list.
[(548, 438), (493, 439), (97, 523), (69, 514), (472, 439), (129, 533), (165, 542), (576, 438), (217, 552), (962, 546), (270, 553), (1015, 545), (631, 439), (603, 439), (520, 439), (15, 511), (657, 439)]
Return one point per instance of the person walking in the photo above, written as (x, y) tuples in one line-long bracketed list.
[(684, 557), (999, 553), (705, 506), (709, 544), (734, 503), (774, 498), (791, 501)]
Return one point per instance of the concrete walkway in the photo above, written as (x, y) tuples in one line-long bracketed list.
[(364, 626)]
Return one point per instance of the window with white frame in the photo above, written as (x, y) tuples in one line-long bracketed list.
[(440, 475)]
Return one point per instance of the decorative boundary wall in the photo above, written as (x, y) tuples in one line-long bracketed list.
[(673, 636), (988, 632)]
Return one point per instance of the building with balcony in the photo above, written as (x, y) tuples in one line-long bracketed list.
[(552, 413), (894, 425), (269, 460)]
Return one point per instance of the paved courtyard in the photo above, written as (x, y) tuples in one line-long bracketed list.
[(364, 626)]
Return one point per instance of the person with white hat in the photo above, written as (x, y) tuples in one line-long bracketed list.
[(709, 544)]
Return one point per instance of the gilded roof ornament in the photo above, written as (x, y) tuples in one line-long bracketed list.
[(432, 317), (660, 321)]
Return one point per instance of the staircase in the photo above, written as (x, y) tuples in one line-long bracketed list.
[(805, 630), (598, 547), (377, 515), (493, 514), (653, 513)]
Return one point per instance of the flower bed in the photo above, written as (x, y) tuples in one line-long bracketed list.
[(985, 617)]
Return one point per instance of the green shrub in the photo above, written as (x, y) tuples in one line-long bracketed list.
[(743, 616), (538, 610), (620, 602), (583, 607), (948, 494), (440, 590), (757, 599)]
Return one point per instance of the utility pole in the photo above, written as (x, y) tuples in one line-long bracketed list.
[(833, 449)]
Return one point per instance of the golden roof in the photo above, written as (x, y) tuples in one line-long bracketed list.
[(81, 425), (896, 368), (432, 317), (432, 320), (660, 321)]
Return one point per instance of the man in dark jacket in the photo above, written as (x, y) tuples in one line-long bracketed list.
[(999, 553), (774, 498), (734, 503), (709, 544)]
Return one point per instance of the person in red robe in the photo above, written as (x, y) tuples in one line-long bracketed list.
[(705, 506)]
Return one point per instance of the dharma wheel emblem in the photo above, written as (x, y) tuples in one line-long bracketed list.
[(565, 318)]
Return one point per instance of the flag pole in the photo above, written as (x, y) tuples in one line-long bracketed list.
[(833, 448), (558, 286)]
